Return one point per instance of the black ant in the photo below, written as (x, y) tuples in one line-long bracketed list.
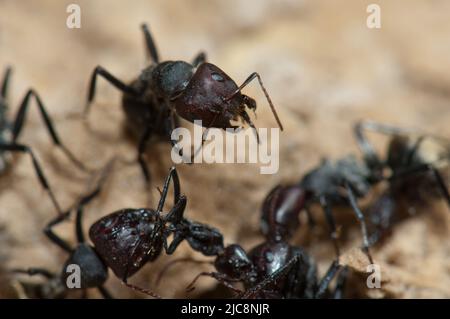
[(347, 179), (406, 168), (340, 182), (165, 91), (274, 268), (10, 132), (129, 238)]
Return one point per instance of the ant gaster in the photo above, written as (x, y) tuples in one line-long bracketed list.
[(10, 132), (165, 91)]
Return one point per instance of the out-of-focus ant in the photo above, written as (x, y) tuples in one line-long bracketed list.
[(411, 170), (340, 182), (10, 132), (165, 91), (126, 240), (406, 170)]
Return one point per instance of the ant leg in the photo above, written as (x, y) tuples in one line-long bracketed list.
[(199, 59), (221, 278), (48, 231), (99, 71), (271, 279), (20, 119), (176, 184), (331, 223), (37, 167), (104, 292), (141, 150), (339, 290), (325, 282), (5, 82), (362, 222), (143, 290), (175, 215), (34, 271), (176, 261), (246, 82), (151, 47), (370, 156)]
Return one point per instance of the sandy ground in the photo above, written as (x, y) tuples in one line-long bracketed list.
[(324, 70)]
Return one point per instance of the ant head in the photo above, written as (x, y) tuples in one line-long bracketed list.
[(234, 262), (92, 270), (211, 96), (204, 239), (172, 77), (127, 239), (279, 219)]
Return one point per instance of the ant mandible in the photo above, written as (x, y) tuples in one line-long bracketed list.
[(165, 91)]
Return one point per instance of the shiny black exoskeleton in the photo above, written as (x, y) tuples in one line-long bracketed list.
[(129, 238), (165, 91), (275, 268)]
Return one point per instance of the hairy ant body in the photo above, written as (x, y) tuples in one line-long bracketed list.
[(408, 171), (10, 132), (165, 91), (126, 240)]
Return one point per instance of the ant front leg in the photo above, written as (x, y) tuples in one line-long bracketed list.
[(99, 71), (20, 119), (326, 207), (361, 220), (13, 147)]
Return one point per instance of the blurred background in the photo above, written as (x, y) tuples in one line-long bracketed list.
[(324, 69)]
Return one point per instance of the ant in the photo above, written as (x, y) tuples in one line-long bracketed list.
[(10, 132), (274, 268), (166, 91), (408, 171), (340, 182), (129, 238), (346, 180)]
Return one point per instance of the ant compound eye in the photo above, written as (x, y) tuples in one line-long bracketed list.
[(217, 77)]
